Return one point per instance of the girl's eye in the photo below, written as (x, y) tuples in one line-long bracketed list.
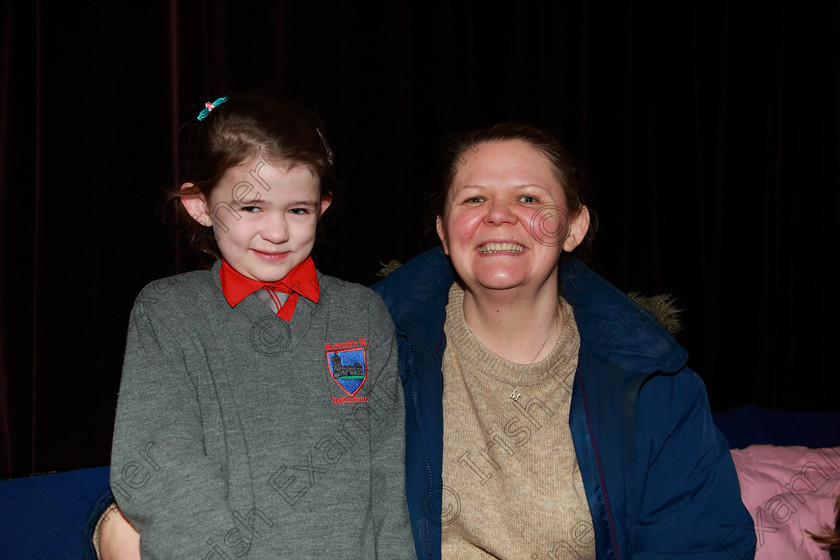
[(250, 209), (299, 211)]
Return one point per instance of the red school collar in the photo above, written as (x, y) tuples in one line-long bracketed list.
[(301, 280)]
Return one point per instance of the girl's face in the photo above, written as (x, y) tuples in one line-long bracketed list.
[(505, 220), (264, 217)]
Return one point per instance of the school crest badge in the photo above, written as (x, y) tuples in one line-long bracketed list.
[(348, 368)]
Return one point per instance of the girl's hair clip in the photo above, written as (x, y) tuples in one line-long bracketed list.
[(209, 107)]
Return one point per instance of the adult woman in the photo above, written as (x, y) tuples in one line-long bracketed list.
[(640, 470), (541, 426)]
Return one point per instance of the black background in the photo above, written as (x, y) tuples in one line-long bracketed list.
[(708, 132)]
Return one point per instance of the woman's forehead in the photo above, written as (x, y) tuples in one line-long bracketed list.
[(504, 162)]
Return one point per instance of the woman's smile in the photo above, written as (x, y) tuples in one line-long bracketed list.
[(496, 248)]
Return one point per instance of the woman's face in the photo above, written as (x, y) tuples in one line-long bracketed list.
[(505, 220)]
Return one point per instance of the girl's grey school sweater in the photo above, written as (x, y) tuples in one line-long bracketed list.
[(241, 435)]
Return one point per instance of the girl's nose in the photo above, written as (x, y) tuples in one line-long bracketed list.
[(274, 229)]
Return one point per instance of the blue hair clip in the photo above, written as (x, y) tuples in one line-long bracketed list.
[(209, 107)]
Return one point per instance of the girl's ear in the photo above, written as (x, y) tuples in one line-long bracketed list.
[(326, 200), (195, 204)]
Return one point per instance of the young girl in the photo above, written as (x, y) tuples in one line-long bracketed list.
[(260, 412)]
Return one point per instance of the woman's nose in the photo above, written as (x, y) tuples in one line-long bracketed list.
[(500, 213)]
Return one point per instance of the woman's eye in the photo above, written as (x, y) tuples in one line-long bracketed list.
[(474, 199), (527, 198)]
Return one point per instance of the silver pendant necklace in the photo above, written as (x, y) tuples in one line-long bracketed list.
[(514, 395)]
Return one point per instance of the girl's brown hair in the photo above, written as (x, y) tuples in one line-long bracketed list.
[(832, 538)]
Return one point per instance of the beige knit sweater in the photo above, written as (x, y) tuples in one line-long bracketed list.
[(510, 465)]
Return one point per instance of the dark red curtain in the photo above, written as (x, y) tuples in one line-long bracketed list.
[(709, 133)]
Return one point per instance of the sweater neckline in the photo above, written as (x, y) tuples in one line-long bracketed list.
[(489, 364), (270, 334)]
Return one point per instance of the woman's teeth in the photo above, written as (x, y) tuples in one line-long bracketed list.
[(501, 248)]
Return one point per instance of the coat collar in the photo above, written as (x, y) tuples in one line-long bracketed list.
[(615, 329)]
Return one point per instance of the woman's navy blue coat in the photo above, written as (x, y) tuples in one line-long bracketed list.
[(657, 473)]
